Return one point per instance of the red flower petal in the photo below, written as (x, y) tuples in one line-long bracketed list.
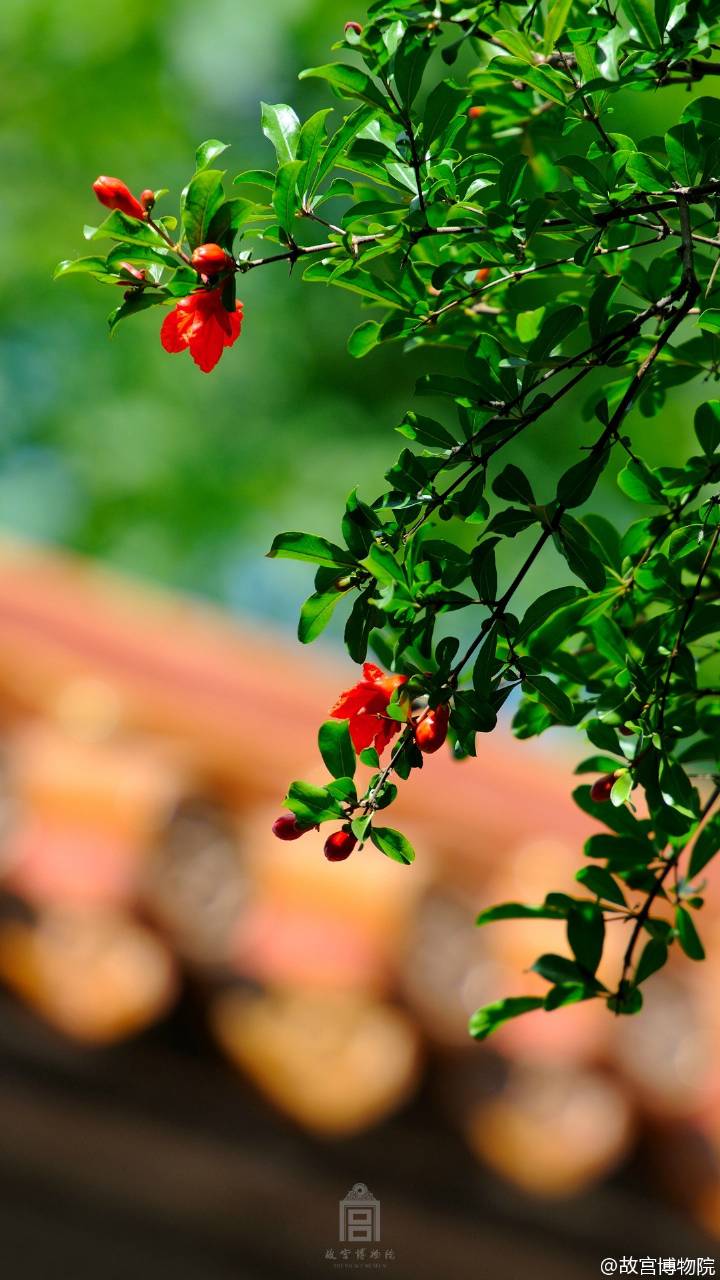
[(371, 672), (170, 336)]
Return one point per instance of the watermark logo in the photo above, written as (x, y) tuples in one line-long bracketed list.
[(359, 1245), (359, 1216)]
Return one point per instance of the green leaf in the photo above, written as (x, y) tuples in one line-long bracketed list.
[(426, 431), (90, 266), (552, 696), (202, 198), (519, 911), (408, 66), (361, 826), (555, 24), (586, 934), (209, 151), (349, 81), (684, 153), (638, 482), (576, 485), (363, 339), (119, 227), (306, 546), (312, 804), (707, 426), (484, 1021), (558, 969), (677, 790), (228, 218), (336, 748), (648, 173), (654, 955), (513, 485), (316, 613), (642, 15), (140, 253), (599, 881), (706, 846), (627, 1001), (443, 106), (545, 606), (286, 198), (622, 788), (139, 300), (579, 549), (393, 844), (710, 321), (688, 935), (339, 144), (281, 127), (311, 141)]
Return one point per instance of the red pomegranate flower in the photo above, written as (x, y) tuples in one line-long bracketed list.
[(365, 705), (200, 324), (115, 195)]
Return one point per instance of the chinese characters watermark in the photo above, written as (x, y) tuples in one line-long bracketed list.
[(658, 1266)]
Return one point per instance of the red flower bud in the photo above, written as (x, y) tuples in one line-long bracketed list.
[(287, 827), (601, 788), (474, 113), (147, 199), (353, 26), (431, 730), (210, 259), (136, 272), (115, 195), (482, 274), (339, 846)]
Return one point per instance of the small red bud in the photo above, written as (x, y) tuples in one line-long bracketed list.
[(353, 26), (474, 113), (339, 846), (147, 199), (114, 194), (136, 272), (431, 730), (482, 275), (211, 259), (287, 827), (601, 788)]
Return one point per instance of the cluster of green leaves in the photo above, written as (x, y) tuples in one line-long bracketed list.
[(477, 198)]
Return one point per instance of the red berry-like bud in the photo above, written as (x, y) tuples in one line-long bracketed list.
[(287, 827), (474, 113), (339, 846), (136, 272), (211, 259), (114, 194), (601, 788), (482, 275), (431, 731), (353, 26), (147, 199)]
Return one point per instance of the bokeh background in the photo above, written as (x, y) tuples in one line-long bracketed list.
[(207, 1038)]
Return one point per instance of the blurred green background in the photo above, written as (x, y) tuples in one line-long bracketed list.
[(111, 447)]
